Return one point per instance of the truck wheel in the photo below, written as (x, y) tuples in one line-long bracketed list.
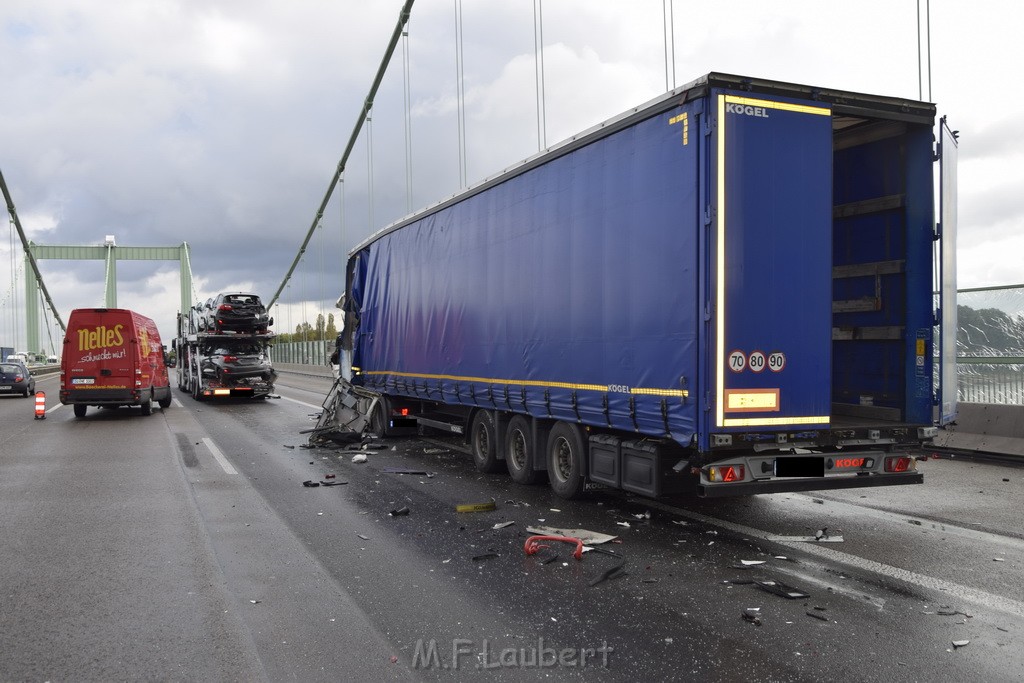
[(519, 455), (378, 421), (565, 453), (483, 443), (146, 407), (80, 409), (196, 393)]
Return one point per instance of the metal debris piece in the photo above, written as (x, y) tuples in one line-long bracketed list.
[(255, 602), (781, 589), (1004, 630), (807, 539), (751, 563), (588, 537), (751, 617), (333, 482), (485, 556), (819, 617), (365, 538), (680, 522), (623, 524), (476, 507), (404, 470), (287, 446), (400, 512), (502, 525), (610, 573), (359, 458), (999, 559), (310, 484), (960, 643)]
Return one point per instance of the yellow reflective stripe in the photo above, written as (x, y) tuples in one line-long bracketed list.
[(775, 421), (528, 383), (784, 106)]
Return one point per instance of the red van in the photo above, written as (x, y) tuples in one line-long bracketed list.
[(112, 357)]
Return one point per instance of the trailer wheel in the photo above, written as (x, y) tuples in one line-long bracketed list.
[(80, 409), (565, 453), (519, 451), (483, 443), (197, 393)]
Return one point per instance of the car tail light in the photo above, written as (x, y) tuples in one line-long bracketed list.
[(230, 359), (726, 473), (224, 307), (18, 378), (902, 463)]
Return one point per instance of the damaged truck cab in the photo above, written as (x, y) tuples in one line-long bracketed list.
[(728, 290)]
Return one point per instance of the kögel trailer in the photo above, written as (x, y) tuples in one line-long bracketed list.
[(728, 290)]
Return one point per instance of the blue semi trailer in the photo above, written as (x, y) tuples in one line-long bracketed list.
[(740, 287)]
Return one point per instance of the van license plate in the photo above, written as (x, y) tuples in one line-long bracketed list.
[(83, 380)]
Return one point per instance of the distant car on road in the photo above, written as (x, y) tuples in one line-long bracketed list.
[(238, 361), (15, 378), (236, 312)]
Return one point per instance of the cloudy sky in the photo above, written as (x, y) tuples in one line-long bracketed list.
[(220, 122)]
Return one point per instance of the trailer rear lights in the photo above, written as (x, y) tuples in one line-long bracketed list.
[(927, 432), (900, 464), (221, 392), (404, 412), (726, 473)]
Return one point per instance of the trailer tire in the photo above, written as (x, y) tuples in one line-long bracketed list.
[(566, 456), (519, 451), (197, 394), (378, 426), (483, 442), (80, 409)]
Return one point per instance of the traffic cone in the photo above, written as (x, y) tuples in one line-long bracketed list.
[(40, 405)]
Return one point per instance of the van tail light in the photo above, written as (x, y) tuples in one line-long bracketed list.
[(900, 464)]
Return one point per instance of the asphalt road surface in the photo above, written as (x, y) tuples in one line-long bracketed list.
[(184, 545)]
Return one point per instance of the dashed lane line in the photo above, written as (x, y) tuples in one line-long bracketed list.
[(219, 456)]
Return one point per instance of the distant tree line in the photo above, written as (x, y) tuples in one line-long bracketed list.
[(989, 332), (323, 330)]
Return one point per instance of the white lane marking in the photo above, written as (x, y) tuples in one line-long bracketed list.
[(302, 403), (177, 403), (54, 408), (219, 456), (978, 597)]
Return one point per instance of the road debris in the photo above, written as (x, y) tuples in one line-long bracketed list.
[(365, 538), (405, 470), (781, 589), (751, 563), (310, 483), (475, 507), (503, 525), (999, 559), (819, 617), (359, 458), (588, 537), (533, 544), (287, 446), (547, 558), (623, 524), (400, 512), (960, 643), (807, 539), (333, 482), (434, 451), (255, 602), (610, 573), (485, 556), (329, 476), (751, 616)]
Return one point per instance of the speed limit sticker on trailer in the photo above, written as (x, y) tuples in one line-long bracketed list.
[(757, 361), (776, 361), (737, 361)]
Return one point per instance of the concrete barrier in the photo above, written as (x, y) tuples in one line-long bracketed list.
[(986, 427)]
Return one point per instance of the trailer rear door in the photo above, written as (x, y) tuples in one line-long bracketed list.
[(772, 275), (947, 268)]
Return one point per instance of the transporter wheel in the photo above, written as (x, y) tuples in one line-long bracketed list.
[(566, 460), (80, 409), (483, 442), (196, 393), (519, 451)]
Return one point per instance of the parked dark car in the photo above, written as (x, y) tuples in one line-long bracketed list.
[(16, 379), (236, 312), (238, 361)]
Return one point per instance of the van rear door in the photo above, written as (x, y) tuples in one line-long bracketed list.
[(98, 350), (772, 237)]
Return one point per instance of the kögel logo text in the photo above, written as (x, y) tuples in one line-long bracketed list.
[(99, 338), (734, 108)]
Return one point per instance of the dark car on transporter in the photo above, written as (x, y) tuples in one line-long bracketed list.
[(241, 312), (238, 361), (16, 379)]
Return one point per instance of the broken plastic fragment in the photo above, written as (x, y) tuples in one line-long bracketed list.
[(817, 616), (329, 476), (333, 483), (475, 507), (287, 446), (751, 617), (310, 483), (365, 538), (751, 563), (359, 457), (623, 524), (502, 525), (781, 589), (960, 643), (400, 512)]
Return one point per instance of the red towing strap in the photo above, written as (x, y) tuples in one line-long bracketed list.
[(533, 544)]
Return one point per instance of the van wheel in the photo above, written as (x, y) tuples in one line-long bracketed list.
[(566, 455), (483, 443), (519, 451), (165, 402), (147, 407), (80, 409)]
